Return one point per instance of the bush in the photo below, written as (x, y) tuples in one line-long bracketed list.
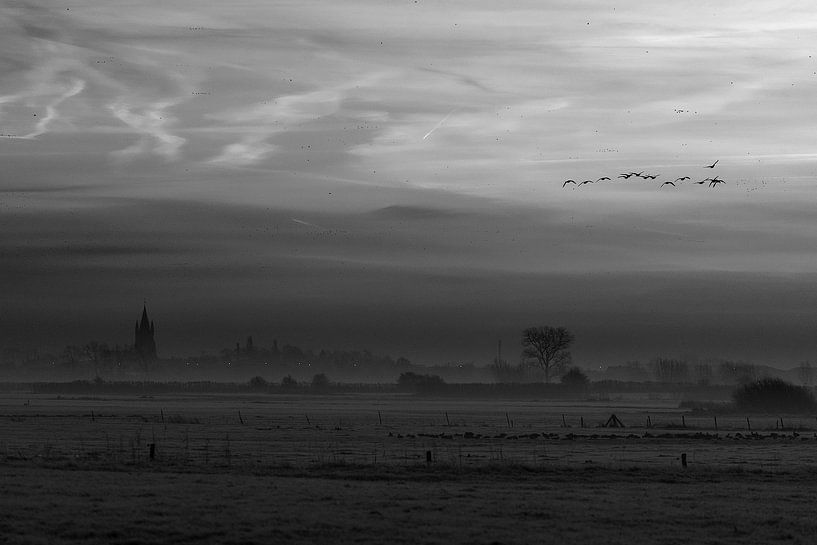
[(289, 383), (773, 395), (258, 383), (575, 380), (414, 382), (320, 382)]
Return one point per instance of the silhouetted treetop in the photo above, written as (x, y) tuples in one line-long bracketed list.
[(547, 346)]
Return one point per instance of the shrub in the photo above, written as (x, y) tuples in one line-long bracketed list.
[(774, 395), (415, 382), (258, 383), (575, 379), (288, 382), (320, 382)]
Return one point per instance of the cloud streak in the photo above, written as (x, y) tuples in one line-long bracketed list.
[(151, 122), (51, 113), (277, 116)]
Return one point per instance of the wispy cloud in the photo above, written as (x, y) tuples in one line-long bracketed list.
[(268, 119), (248, 151), (51, 112), (276, 116), (151, 122)]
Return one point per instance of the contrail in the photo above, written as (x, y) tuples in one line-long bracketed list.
[(437, 126), (302, 222)]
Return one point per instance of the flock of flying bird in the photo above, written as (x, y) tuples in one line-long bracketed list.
[(713, 182)]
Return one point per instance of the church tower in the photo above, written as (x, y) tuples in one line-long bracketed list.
[(143, 342)]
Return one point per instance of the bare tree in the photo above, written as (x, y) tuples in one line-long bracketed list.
[(548, 346)]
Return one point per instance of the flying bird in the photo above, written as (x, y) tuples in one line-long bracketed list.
[(569, 182), (603, 178), (651, 176), (586, 182), (625, 176), (682, 179), (712, 165), (715, 182), (668, 183)]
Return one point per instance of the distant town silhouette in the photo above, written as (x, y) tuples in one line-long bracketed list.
[(141, 361)]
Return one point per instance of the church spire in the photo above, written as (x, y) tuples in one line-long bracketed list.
[(143, 341), (144, 322)]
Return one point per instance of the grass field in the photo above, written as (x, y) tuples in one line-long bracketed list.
[(353, 468)]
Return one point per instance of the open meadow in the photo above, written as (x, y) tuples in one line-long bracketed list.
[(398, 468)]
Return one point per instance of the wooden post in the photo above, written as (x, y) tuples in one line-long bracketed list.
[(684, 460), (428, 457), (683, 421), (508, 419), (152, 450), (564, 423), (240, 419), (308, 423), (162, 413), (748, 424), (716, 422), (582, 421), (379, 417), (92, 416), (447, 421), (649, 421)]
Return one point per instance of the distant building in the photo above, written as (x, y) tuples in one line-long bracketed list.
[(144, 344)]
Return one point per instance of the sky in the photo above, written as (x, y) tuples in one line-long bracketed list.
[(389, 175)]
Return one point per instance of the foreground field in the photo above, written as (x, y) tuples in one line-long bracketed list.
[(267, 469), (345, 505)]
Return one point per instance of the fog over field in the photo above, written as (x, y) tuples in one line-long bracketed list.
[(391, 176)]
